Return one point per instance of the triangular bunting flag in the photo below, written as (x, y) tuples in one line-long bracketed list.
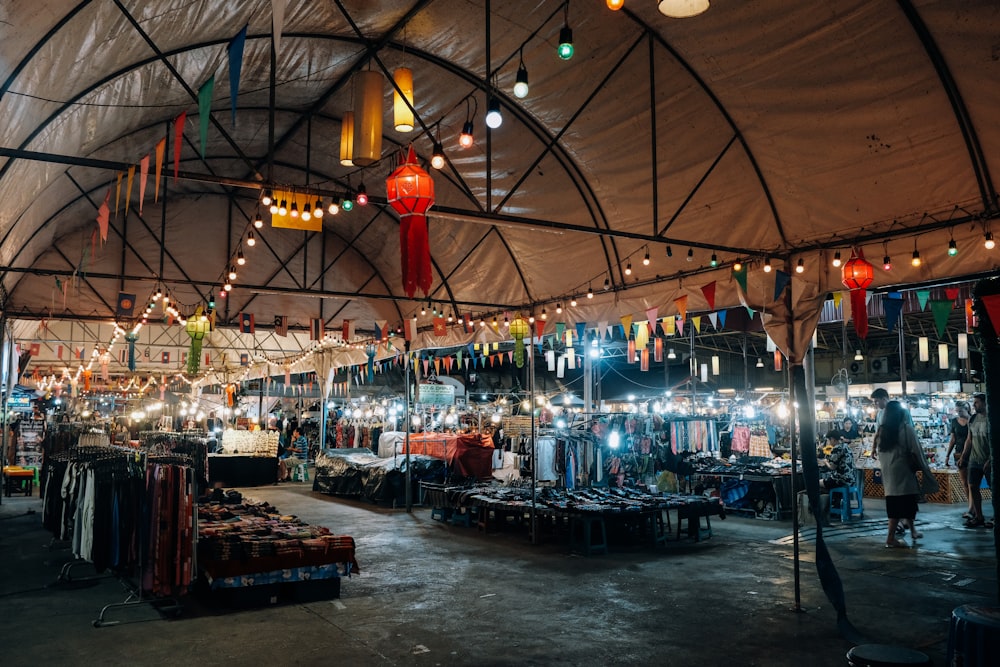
[(539, 328), (161, 149), (560, 328), (709, 292), (178, 140), (236, 45), (103, 216), (991, 302), (680, 326), (714, 319), (626, 325), (941, 309), (669, 326), (278, 21), (143, 176), (682, 306), (837, 298), (205, 111), (128, 187), (951, 292), (602, 329), (118, 193), (696, 321), (581, 330), (893, 306), (741, 278), (922, 296), (722, 319), (781, 280)]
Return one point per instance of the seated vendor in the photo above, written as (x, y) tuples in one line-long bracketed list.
[(296, 453), (850, 430), (839, 462)]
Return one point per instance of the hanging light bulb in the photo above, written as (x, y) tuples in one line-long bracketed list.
[(682, 9), (737, 266), (307, 211), (283, 207), (266, 198), (506, 322), (645, 259), (465, 140), (347, 204), (952, 248), (494, 118), (228, 286), (347, 139), (361, 196), (437, 156), (159, 294), (521, 80), (295, 209), (318, 209), (836, 259), (628, 268), (800, 266), (607, 284), (403, 103), (886, 263), (573, 302), (565, 49), (715, 260), (690, 256), (232, 273), (545, 315), (671, 354), (767, 265), (251, 241), (858, 356), (988, 241), (240, 259), (915, 261), (558, 308), (451, 318), (258, 222), (590, 292), (760, 363), (615, 5), (670, 251), (334, 208), (273, 208)]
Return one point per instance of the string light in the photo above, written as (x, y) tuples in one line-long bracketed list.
[(737, 266), (361, 196), (915, 261), (558, 309), (645, 259), (886, 263), (283, 207), (437, 157), (767, 265), (715, 260), (521, 79), (836, 259), (952, 248), (607, 284), (295, 209), (251, 241), (628, 268), (232, 273), (800, 266), (240, 259), (334, 208), (572, 302), (615, 5), (266, 199), (590, 292), (258, 222), (307, 211), (988, 241), (690, 256), (318, 209)]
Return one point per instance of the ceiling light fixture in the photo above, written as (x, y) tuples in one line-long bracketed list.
[(988, 241), (952, 248), (318, 209), (361, 196), (347, 139), (836, 259), (266, 199), (307, 211), (558, 308), (368, 96), (737, 266), (858, 356), (800, 266), (437, 156), (628, 268), (645, 259), (466, 138), (590, 292), (402, 105), (333, 208), (232, 273), (283, 207), (760, 363), (615, 5), (347, 204), (240, 259), (572, 302), (251, 241), (915, 261), (295, 209), (682, 9), (886, 263), (258, 222), (565, 49), (767, 265), (714, 261)]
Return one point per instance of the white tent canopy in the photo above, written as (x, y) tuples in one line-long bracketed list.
[(756, 130)]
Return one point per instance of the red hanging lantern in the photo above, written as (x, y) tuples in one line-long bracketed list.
[(857, 277), (410, 192)]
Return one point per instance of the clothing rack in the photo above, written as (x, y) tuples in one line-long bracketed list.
[(129, 481)]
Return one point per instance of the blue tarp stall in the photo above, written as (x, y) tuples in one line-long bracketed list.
[(360, 473)]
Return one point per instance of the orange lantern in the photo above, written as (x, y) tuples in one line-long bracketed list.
[(410, 192), (858, 274)]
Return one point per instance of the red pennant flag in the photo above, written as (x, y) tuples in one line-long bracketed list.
[(970, 317), (178, 140), (651, 317), (539, 328), (447, 363), (951, 292), (161, 149), (992, 304), (709, 292)]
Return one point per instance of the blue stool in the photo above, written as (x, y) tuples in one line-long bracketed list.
[(441, 513), (851, 504)]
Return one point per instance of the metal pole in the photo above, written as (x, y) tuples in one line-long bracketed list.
[(792, 399), (693, 381), (406, 418), (6, 392), (902, 359), (534, 441)]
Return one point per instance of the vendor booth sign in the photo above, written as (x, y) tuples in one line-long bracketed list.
[(436, 394)]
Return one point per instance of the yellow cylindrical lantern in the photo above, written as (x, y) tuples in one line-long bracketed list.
[(402, 114), (367, 118), (347, 139)]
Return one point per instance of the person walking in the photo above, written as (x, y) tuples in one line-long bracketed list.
[(900, 456), (959, 429), (977, 455)]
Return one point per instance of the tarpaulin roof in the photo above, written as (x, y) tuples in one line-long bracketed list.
[(757, 129)]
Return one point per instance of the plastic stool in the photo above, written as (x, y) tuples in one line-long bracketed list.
[(593, 529), (463, 517), (883, 655), (440, 513), (301, 473), (848, 496)]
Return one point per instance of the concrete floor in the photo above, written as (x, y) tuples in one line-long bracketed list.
[(434, 594)]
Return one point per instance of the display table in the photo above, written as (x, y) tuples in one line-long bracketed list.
[(18, 479), (948, 480), (358, 472), (239, 470), (772, 492)]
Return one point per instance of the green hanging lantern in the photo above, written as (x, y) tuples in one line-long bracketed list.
[(519, 330), (197, 326)]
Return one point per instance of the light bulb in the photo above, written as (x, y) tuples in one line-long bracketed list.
[(800, 267), (952, 248), (615, 5), (690, 256), (437, 157), (295, 210), (232, 273), (607, 284), (307, 212), (572, 302), (362, 196), (283, 207), (558, 308), (347, 204), (886, 263), (228, 286), (258, 222), (318, 209), (767, 265), (565, 49), (273, 208), (628, 268), (251, 241), (494, 118), (240, 259), (715, 260), (521, 82), (836, 259), (989, 242), (334, 208), (465, 140), (590, 292), (645, 259), (545, 315), (737, 266), (916, 258), (266, 199)]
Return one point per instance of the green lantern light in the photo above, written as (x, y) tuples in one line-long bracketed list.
[(565, 49)]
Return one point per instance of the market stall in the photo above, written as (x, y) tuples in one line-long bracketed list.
[(359, 473), (247, 458)]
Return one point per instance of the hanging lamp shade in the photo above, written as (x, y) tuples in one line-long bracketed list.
[(367, 118), (519, 330), (858, 274), (347, 139), (682, 9), (401, 111), (410, 192)]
